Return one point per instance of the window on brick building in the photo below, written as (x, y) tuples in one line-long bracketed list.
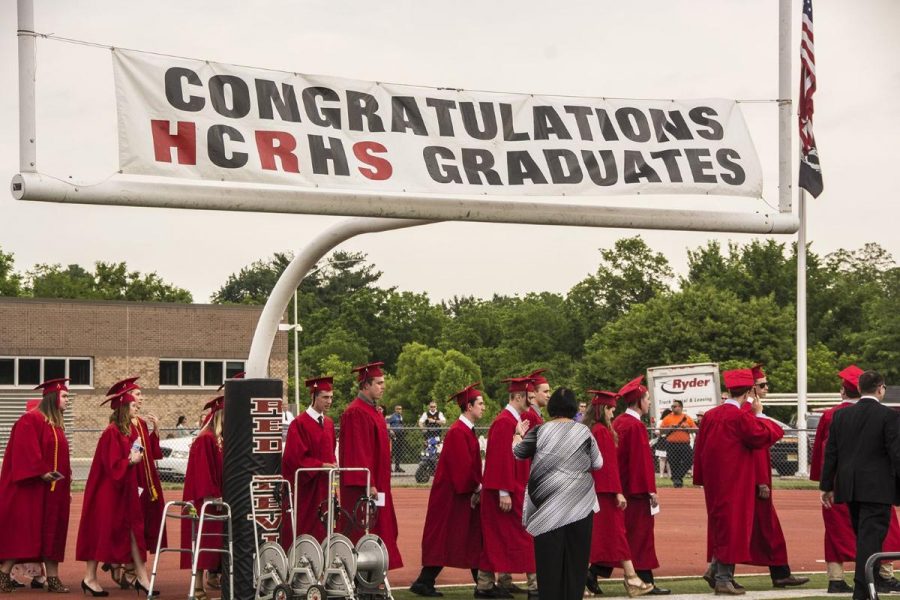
[(197, 373), (28, 371)]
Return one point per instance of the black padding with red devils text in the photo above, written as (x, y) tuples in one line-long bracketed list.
[(253, 445)]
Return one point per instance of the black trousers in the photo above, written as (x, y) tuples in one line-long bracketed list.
[(681, 457), (870, 524), (560, 556)]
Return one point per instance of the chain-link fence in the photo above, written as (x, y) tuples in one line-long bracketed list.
[(415, 452)]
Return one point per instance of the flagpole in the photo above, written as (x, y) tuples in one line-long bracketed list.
[(801, 337)]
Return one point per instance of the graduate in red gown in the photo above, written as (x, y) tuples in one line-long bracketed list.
[(537, 399), (508, 548), (840, 541), (34, 489), (112, 522), (609, 542), (310, 445), (768, 547), (638, 478), (202, 482), (364, 443), (452, 534), (724, 466), (152, 499)]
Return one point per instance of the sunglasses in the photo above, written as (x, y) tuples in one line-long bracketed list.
[(764, 384)]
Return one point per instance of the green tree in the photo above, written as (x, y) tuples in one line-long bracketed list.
[(109, 281), (676, 328), (425, 374), (630, 273), (10, 281)]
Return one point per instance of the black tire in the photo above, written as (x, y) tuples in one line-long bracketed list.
[(282, 591), (316, 592), (422, 474)]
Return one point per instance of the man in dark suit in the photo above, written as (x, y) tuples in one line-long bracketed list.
[(861, 469)]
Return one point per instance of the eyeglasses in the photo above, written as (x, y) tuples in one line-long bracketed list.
[(764, 384)]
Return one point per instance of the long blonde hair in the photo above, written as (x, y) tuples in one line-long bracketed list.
[(217, 425), (121, 418), (49, 407)]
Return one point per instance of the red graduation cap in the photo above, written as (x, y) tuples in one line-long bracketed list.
[(850, 377), (738, 378), (213, 406), (366, 371), (466, 395), (53, 385), (236, 376), (519, 384), (537, 378), (758, 372), (120, 399), (319, 384), (603, 398), (633, 390), (125, 385)]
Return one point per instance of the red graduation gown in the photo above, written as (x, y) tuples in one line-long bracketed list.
[(34, 518), (767, 544), (638, 479), (152, 500), (203, 479), (308, 446), (365, 443), (452, 534), (508, 548), (840, 541), (112, 508), (609, 544), (724, 466)]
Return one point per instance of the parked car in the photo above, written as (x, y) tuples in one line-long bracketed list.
[(173, 465)]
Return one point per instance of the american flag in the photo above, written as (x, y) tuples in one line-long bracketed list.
[(810, 170)]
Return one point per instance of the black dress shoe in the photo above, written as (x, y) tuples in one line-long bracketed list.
[(591, 584), (736, 585), (886, 586), (494, 592), (422, 589), (36, 585), (513, 589), (839, 586), (658, 591), (789, 581), (534, 595)]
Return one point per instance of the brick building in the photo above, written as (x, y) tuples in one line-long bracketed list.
[(182, 353)]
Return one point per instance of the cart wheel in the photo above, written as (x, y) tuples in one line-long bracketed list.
[(282, 591), (316, 592)]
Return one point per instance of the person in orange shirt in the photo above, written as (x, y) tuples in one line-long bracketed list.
[(676, 426)]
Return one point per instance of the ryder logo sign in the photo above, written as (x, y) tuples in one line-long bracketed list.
[(202, 120), (680, 386), (696, 386)]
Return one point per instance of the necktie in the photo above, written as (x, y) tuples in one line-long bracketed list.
[(321, 421)]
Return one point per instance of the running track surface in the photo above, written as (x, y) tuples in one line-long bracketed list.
[(680, 540)]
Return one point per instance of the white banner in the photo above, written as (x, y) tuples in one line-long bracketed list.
[(195, 119)]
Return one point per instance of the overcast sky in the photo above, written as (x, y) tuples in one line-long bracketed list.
[(651, 49)]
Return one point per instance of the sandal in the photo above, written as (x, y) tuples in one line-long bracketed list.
[(200, 594), (214, 581), (637, 589), (55, 586)]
